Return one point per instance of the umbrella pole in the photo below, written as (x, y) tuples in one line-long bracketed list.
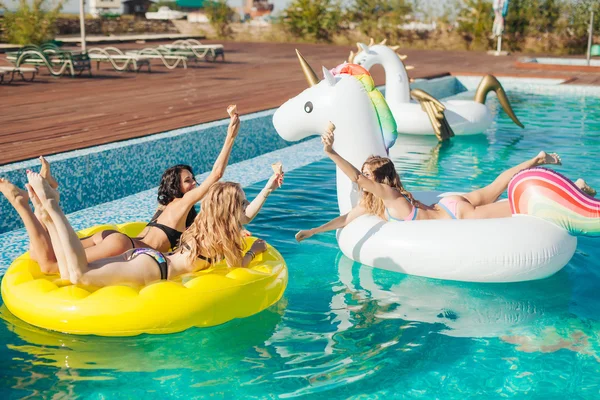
[(82, 23), (499, 48), (590, 36)]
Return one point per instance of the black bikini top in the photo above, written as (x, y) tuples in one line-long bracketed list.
[(173, 235)]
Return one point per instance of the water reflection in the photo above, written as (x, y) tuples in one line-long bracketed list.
[(197, 349), (534, 316)]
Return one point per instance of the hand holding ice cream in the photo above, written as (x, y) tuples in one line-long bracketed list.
[(276, 180)]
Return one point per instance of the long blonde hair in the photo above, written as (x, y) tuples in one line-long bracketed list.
[(383, 171), (217, 230)]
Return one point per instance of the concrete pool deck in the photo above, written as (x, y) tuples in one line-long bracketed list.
[(52, 115)]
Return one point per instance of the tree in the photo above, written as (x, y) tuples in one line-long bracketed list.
[(379, 18), (475, 21), (317, 20), (220, 15), (31, 23), (578, 16)]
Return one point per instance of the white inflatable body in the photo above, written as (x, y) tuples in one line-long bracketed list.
[(464, 116), (493, 250)]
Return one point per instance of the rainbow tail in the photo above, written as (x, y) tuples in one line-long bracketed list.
[(544, 193)]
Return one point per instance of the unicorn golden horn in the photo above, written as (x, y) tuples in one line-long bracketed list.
[(489, 83), (351, 57), (309, 73)]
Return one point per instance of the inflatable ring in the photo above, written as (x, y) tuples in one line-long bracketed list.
[(204, 298)]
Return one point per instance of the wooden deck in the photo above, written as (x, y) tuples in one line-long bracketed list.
[(52, 115)]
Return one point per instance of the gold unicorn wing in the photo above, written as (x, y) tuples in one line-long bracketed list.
[(435, 111)]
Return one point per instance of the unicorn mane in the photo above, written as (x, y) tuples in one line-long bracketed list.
[(387, 123)]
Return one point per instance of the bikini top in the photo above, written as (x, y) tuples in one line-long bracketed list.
[(173, 235), (410, 217)]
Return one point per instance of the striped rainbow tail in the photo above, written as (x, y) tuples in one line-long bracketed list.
[(546, 194)]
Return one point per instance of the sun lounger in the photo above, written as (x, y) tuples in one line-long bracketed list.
[(170, 61), (119, 60), (58, 62), (208, 52), (21, 71)]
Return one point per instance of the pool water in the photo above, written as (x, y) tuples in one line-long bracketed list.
[(344, 330)]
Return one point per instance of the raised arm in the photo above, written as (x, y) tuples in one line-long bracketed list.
[(196, 194), (334, 224), (380, 190), (254, 207)]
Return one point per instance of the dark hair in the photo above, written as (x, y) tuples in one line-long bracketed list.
[(170, 188)]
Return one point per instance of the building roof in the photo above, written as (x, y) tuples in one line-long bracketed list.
[(190, 3)]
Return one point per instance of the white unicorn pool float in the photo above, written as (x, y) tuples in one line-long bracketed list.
[(492, 250), (465, 117)]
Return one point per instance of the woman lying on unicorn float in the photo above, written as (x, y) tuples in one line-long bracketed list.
[(464, 238), (384, 195)]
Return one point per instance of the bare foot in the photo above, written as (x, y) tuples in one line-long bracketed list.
[(12, 193), (46, 174), (38, 209), (585, 188), (545, 158), (41, 187)]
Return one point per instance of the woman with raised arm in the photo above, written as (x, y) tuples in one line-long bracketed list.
[(384, 195), (214, 235), (177, 194)]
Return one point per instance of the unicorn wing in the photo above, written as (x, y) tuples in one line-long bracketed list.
[(435, 111)]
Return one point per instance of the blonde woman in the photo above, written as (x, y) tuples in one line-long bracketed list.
[(177, 194), (214, 235), (384, 195)]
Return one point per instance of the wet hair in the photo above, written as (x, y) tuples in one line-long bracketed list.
[(170, 188), (383, 171), (217, 230)]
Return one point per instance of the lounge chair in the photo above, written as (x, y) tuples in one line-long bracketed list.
[(115, 56), (153, 53), (21, 71), (58, 62), (208, 52)]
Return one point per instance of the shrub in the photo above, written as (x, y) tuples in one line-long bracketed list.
[(32, 22), (379, 18), (475, 21), (220, 15), (315, 20)]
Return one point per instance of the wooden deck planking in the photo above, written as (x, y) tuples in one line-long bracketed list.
[(54, 115)]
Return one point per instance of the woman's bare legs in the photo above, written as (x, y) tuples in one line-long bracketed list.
[(46, 174), (491, 192), (66, 243), (39, 241), (45, 219)]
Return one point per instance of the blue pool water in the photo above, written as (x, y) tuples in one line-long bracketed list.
[(344, 330)]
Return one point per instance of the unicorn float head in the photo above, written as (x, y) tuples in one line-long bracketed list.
[(348, 98), (466, 117)]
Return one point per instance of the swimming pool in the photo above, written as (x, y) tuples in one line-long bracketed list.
[(344, 330)]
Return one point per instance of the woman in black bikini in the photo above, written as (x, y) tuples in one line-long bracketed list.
[(215, 234), (178, 193)]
